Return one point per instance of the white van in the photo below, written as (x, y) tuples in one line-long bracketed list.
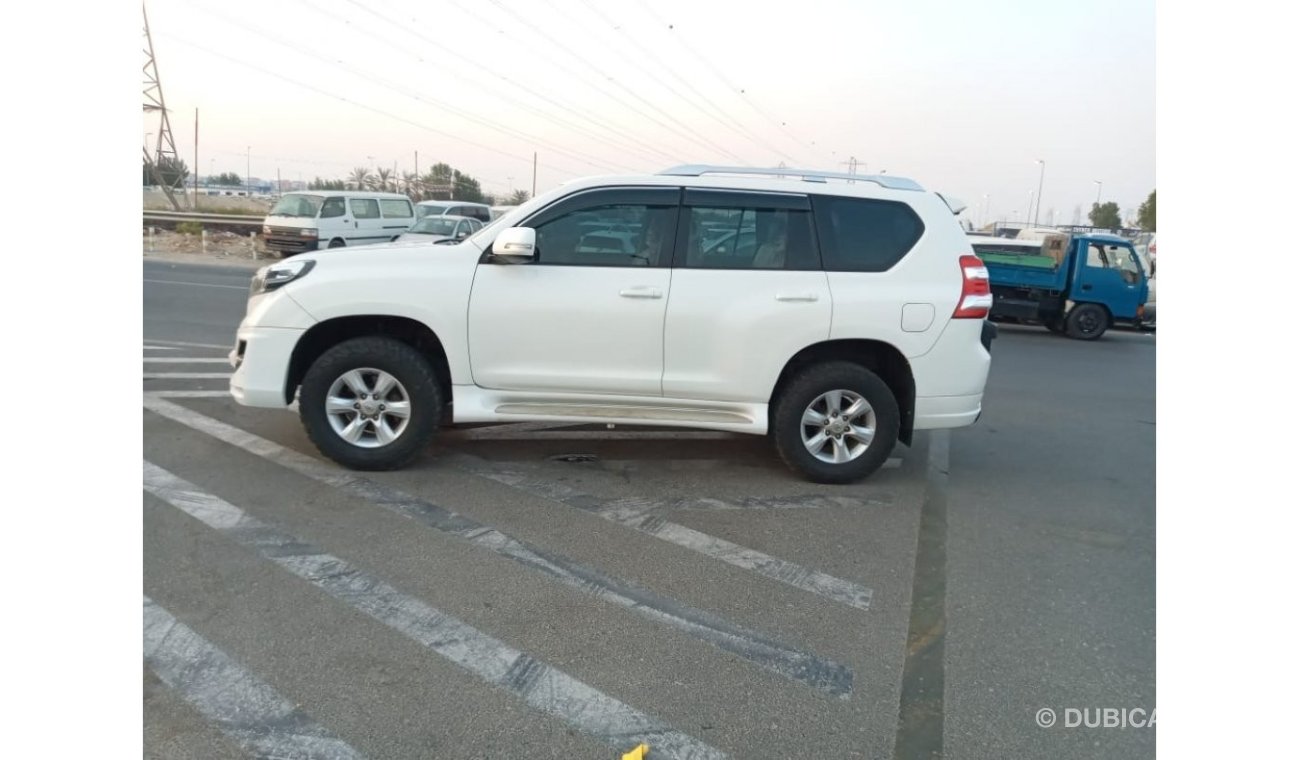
[(479, 211), (302, 222)]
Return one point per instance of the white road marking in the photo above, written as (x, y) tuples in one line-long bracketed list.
[(156, 343), (187, 394), (539, 685), (186, 376), (243, 706), (243, 288), (160, 348), (645, 515), (821, 674)]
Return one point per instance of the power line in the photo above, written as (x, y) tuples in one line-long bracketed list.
[(584, 158), (731, 87), (725, 119), (487, 84), (685, 131), (372, 109)]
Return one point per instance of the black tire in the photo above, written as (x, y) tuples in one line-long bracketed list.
[(336, 243), (398, 359), (1087, 321), (803, 389)]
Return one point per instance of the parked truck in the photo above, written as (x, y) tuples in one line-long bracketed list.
[(1078, 285)]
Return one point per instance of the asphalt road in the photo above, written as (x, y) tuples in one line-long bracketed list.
[(685, 588)]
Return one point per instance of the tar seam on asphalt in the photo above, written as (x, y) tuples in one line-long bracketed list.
[(823, 675), (644, 515), (245, 708), (544, 688), (920, 707)]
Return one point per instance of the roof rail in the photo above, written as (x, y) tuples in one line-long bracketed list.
[(807, 175)]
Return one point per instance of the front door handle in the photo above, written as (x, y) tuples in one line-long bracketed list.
[(1086, 287), (641, 292), (796, 297)]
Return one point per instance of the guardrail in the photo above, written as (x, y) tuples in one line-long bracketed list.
[(176, 217)]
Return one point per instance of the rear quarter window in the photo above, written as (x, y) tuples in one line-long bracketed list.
[(864, 235), (395, 209)]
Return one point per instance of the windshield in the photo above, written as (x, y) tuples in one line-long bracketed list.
[(423, 211), (434, 225), (298, 205)]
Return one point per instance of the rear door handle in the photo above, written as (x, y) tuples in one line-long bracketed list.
[(796, 296), (641, 292)]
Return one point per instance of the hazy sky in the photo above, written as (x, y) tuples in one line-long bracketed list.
[(961, 96)]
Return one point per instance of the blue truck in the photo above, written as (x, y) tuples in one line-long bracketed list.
[(1077, 285)]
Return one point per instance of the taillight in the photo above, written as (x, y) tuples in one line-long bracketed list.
[(976, 297)]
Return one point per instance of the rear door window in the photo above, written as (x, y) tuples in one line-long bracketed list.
[(364, 208), (742, 230), (864, 235)]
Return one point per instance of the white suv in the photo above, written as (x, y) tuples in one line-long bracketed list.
[(836, 313)]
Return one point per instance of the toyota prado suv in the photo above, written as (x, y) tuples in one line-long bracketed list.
[(836, 314)]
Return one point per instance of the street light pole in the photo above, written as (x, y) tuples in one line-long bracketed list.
[(1042, 169), (1098, 183), (248, 172)]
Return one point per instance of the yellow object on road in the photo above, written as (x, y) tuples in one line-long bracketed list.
[(638, 753)]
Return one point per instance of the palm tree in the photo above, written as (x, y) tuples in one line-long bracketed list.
[(382, 176), (409, 184), (360, 178), (518, 197)]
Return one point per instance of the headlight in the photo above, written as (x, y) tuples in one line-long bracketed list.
[(278, 275), (308, 232)]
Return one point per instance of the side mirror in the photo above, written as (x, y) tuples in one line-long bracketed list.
[(514, 245)]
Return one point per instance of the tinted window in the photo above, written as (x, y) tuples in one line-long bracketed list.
[(637, 235), (471, 211), (423, 211), (748, 238), (365, 208), (860, 235), (395, 209), (333, 207)]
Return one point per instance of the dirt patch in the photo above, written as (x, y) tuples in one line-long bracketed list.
[(216, 247)]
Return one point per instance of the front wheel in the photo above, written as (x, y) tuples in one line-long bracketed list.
[(370, 403), (835, 422), (1087, 321)]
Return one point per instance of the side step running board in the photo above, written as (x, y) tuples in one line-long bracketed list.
[(648, 413)]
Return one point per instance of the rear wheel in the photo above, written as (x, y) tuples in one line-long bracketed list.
[(370, 403), (337, 243), (835, 422), (1087, 321)]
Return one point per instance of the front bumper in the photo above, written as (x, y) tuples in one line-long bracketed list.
[(261, 361)]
